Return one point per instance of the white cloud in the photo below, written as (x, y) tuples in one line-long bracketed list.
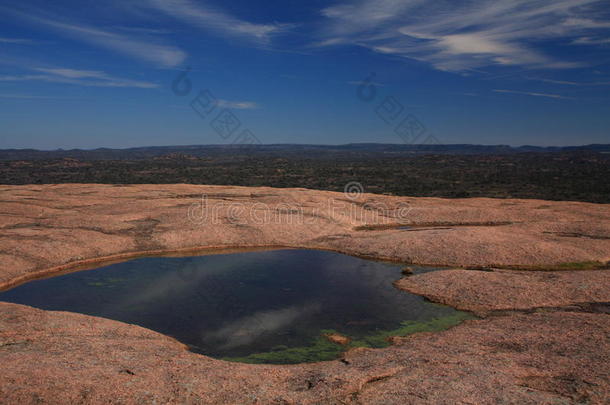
[(91, 78), (16, 41), (73, 73), (364, 14), (144, 30), (164, 55), (238, 105), (591, 41), (569, 83), (363, 83), (32, 97), (212, 19), (143, 47), (459, 35), (247, 329), (527, 93)]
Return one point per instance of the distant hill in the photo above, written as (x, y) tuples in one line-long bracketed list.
[(286, 150)]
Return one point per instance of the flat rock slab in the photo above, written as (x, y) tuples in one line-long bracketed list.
[(541, 358), (484, 291), (552, 356), (51, 226)]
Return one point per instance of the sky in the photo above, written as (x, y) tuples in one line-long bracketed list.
[(127, 73)]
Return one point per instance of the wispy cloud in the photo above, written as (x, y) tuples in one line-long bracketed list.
[(570, 83), (143, 47), (32, 97), (144, 30), (251, 327), (91, 78), (463, 34), (16, 41), (527, 93), (238, 105), (591, 41), (361, 83), (213, 19)]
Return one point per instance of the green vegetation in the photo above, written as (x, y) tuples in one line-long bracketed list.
[(591, 265), (96, 284), (106, 281), (322, 349), (580, 266), (381, 338), (575, 176)]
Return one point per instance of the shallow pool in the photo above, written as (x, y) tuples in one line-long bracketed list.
[(262, 307)]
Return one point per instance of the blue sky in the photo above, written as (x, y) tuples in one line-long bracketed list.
[(86, 74)]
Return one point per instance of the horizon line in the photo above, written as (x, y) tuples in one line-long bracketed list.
[(228, 146)]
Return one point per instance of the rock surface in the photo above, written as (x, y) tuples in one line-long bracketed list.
[(337, 338), (557, 355), (541, 358), (49, 226), (480, 291)]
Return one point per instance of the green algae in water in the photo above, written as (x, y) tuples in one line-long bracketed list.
[(257, 307), (108, 282), (322, 349)]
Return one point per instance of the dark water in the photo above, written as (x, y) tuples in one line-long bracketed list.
[(240, 304)]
